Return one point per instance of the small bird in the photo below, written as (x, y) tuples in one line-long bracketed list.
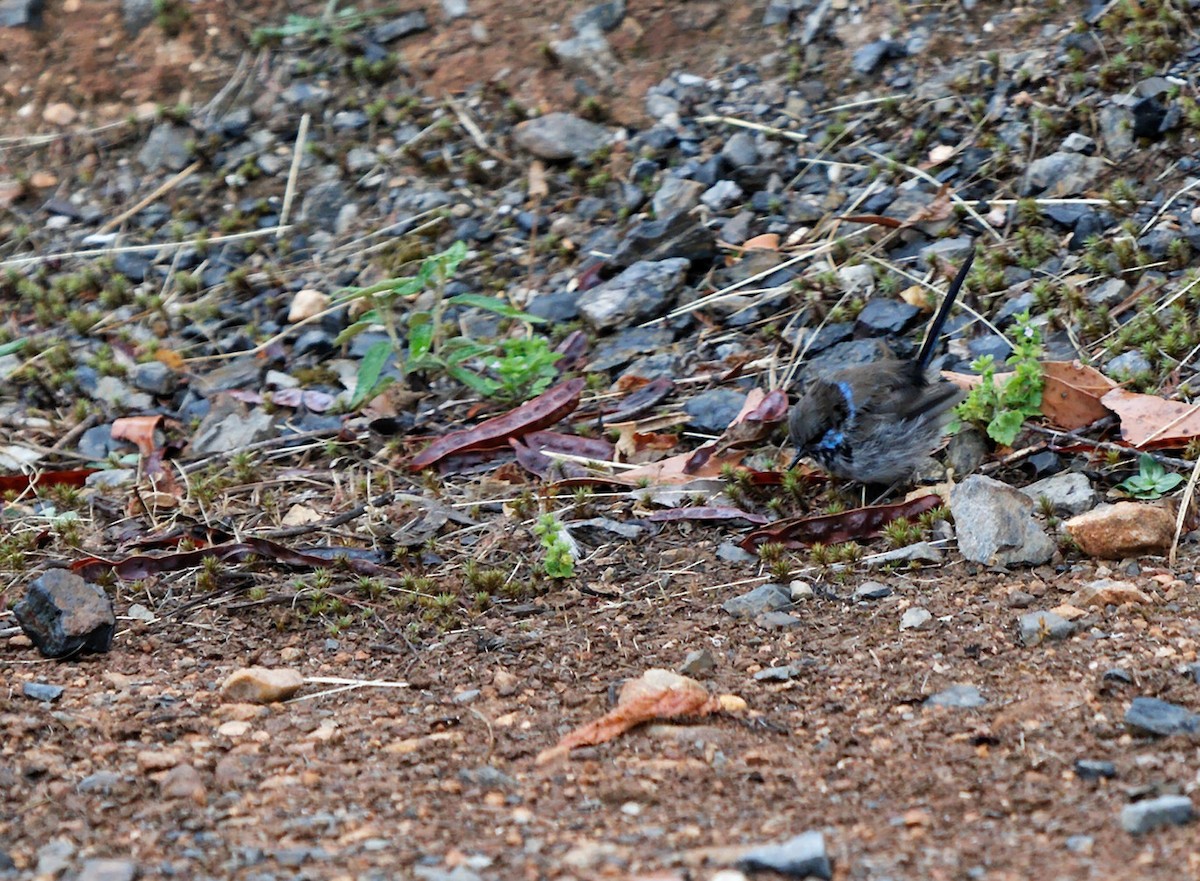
[(876, 423)]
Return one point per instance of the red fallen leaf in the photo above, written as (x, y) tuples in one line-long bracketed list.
[(834, 528), (530, 454), (877, 219), (589, 278), (707, 512), (656, 694), (144, 565), (18, 483), (703, 462), (1148, 421), (1072, 395), (760, 413), (542, 412), (637, 403)]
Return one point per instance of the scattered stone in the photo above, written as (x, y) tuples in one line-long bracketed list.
[(102, 782), (721, 195), (801, 590), (41, 691), (231, 426), (776, 674), (307, 303), (713, 410), (644, 290), (872, 590), (1094, 769), (915, 618), (801, 857), (676, 195), (322, 205), (921, 552), (54, 857), (21, 13), (60, 114), (1038, 627), (64, 615), (995, 524), (1108, 293), (403, 26), (261, 685), (155, 377), (184, 781), (1064, 174), (1150, 715), (150, 761), (1166, 810), (560, 136), (1105, 592), (867, 59), (1068, 493), (764, 598), (167, 148), (107, 870), (1126, 529), (605, 16), (957, 697), (698, 663), (1129, 365), (778, 621)]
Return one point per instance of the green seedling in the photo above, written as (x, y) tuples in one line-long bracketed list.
[(1152, 480)]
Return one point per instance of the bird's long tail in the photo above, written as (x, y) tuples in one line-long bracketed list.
[(925, 355)]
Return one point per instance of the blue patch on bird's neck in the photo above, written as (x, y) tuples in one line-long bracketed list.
[(848, 396), (832, 439)]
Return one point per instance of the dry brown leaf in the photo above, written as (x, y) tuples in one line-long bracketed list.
[(656, 694), (1071, 398), (1150, 421), (768, 241)]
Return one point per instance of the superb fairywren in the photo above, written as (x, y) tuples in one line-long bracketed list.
[(877, 422)]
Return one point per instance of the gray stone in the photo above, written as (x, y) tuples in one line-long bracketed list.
[(1117, 122), (698, 663), (1038, 627), (872, 590), (136, 14), (1108, 293), (322, 204), (1129, 364), (1064, 174), (167, 148), (644, 290), (915, 618), (1150, 715), (764, 598), (1094, 769), (1077, 142), (402, 26), (102, 782), (1069, 493), (605, 16), (560, 136), (107, 870), (882, 316), (453, 9), (713, 410), (778, 621), (674, 195), (721, 195), (587, 54), (42, 691), (776, 674), (1166, 810), (801, 857), (966, 451), (995, 524), (155, 377), (740, 150), (228, 427), (54, 857), (868, 58), (64, 615), (957, 697), (678, 234)]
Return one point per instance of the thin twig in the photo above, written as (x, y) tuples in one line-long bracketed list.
[(289, 192), (138, 249), (1185, 505), (158, 193)]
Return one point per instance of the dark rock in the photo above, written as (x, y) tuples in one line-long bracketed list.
[(1116, 674), (801, 857), (1149, 715), (869, 57), (132, 264), (847, 354), (41, 691), (1038, 627), (1094, 769), (402, 26), (97, 443), (1149, 116), (155, 377), (603, 16), (64, 615), (627, 345), (313, 342), (556, 306), (872, 590), (676, 195), (880, 317), (679, 235), (322, 204), (136, 14), (713, 410)]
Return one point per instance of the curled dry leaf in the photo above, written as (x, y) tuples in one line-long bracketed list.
[(656, 694), (834, 528)]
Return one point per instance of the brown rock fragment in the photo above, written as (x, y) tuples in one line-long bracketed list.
[(1126, 529)]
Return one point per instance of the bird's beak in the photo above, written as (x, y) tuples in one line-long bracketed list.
[(796, 460)]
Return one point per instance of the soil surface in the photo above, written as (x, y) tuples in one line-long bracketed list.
[(411, 752)]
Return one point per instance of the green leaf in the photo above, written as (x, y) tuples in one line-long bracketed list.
[(14, 346), (420, 336), (368, 383), (481, 385), (496, 305), (459, 349), (351, 332), (1149, 468), (1005, 426)]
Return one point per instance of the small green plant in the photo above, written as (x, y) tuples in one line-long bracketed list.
[(525, 369), (1151, 481), (426, 349), (557, 562), (1002, 407)]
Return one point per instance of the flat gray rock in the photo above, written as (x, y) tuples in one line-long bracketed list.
[(1166, 810)]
